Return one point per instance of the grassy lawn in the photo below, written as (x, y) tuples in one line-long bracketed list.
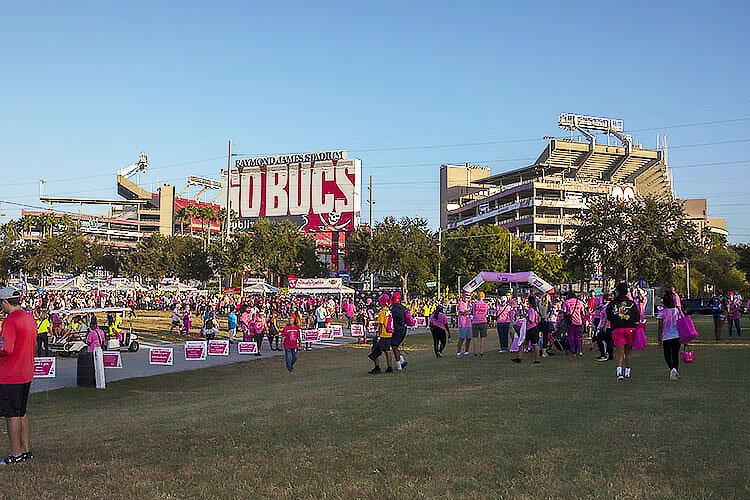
[(444, 428)]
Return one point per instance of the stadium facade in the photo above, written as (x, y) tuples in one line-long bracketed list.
[(541, 203), (318, 192)]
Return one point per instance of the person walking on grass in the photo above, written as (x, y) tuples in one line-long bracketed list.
[(17, 344), (506, 313), (231, 325), (734, 313), (382, 343), (398, 314), (669, 336), (479, 311), (573, 314), (532, 331), (464, 325), (439, 329), (290, 336), (718, 312), (623, 316)]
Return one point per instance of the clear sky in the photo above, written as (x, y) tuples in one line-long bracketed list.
[(86, 86)]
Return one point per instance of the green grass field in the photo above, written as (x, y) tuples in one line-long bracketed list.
[(444, 428)]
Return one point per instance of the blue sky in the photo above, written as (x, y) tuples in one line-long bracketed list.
[(86, 86)]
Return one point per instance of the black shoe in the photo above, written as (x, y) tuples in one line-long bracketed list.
[(375, 371), (28, 455), (516, 360), (10, 459), (389, 370)]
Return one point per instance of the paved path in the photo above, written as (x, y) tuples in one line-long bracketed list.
[(135, 364)]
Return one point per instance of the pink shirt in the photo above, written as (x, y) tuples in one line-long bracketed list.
[(94, 339), (575, 308), (506, 313), (291, 336), (532, 318), (669, 319), (598, 306), (464, 320), (479, 312), (440, 322), (735, 308)]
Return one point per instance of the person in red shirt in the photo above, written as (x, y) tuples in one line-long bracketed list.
[(290, 334), (17, 344)]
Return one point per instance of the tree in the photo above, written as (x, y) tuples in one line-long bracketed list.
[(468, 251), (359, 248), (743, 258), (405, 248), (181, 216), (718, 263), (647, 237)]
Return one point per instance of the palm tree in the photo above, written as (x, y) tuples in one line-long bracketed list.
[(182, 216), (192, 212)]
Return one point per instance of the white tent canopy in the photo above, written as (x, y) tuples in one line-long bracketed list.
[(260, 288), (342, 290)]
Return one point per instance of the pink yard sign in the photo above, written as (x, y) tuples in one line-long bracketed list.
[(218, 348), (325, 334), (338, 331), (45, 367), (247, 348), (311, 335), (161, 356), (358, 331), (195, 350), (112, 359)]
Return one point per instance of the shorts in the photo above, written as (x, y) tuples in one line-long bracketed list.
[(384, 344), (532, 335), (623, 336), (479, 330), (464, 332), (13, 398), (719, 317), (397, 339)]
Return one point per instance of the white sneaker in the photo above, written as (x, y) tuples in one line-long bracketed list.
[(620, 377), (466, 354), (458, 355), (672, 374), (398, 366)]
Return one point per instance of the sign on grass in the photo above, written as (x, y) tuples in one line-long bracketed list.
[(325, 334), (338, 331), (358, 331), (311, 335)]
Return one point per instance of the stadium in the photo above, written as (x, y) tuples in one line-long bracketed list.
[(540, 203)]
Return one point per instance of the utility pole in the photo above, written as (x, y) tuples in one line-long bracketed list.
[(440, 258), (229, 180), (687, 278), (510, 259), (369, 189)]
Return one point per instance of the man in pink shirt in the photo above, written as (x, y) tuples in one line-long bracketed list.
[(573, 312), (479, 311), (505, 314)]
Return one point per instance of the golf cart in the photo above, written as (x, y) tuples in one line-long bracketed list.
[(74, 342)]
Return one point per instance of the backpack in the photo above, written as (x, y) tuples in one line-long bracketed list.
[(409, 319)]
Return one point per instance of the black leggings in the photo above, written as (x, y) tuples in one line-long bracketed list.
[(672, 352), (438, 339), (604, 343), (42, 345)]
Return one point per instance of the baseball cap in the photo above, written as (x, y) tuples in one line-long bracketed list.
[(396, 297), (9, 292)]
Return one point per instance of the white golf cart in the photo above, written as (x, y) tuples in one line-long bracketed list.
[(75, 342)]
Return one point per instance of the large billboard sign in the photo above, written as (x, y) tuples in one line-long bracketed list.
[(317, 191)]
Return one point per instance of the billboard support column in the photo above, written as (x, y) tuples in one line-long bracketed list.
[(229, 180)]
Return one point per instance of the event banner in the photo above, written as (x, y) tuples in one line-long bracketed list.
[(218, 348), (358, 331), (112, 359), (195, 350), (318, 192), (161, 356), (45, 367), (325, 334), (311, 335), (247, 348), (338, 331)]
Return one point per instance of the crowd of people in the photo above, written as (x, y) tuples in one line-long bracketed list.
[(543, 324)]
